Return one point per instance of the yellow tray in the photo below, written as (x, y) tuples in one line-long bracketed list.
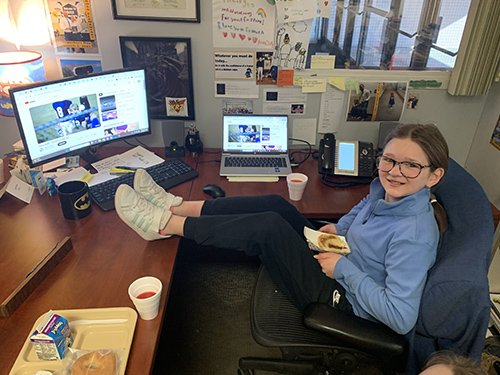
[(109, 328)]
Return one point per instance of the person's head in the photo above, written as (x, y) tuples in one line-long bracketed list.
[(361, 87), (449, 363), (413, 157)]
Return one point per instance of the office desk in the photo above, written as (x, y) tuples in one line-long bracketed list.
[(319, 201), (107, 256)]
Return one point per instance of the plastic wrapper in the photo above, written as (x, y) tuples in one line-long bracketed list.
[(92, 362)]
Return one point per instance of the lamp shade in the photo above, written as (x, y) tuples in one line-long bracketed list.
[(18, 68)]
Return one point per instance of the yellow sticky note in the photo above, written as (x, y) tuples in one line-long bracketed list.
[(338, 82), (297, 81), (310, 85), (322, 62), (352, 84)]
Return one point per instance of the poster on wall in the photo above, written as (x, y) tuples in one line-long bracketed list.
[(377, 101), (169, 74), (234, 65), (292, 43), (495, 138), (265, 72), (72, 26), (243, 24)]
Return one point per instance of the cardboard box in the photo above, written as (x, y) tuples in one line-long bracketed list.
[(52, 337)]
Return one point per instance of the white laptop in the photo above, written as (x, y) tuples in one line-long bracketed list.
[(255, 145)]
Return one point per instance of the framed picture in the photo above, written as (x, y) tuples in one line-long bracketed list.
[(169, 74), (154, 10)]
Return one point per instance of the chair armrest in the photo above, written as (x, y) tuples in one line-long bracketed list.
[(355, 332)]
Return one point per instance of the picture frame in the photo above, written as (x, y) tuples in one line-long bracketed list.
[(169, 74), (152, 10)]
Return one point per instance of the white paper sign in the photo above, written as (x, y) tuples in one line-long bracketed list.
[(243, 24), (298, 10), (20, 189), (332, 105)]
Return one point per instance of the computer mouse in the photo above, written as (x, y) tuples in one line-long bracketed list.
[(215, 191)]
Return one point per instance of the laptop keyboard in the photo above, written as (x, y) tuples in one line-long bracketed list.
[(249, 161)]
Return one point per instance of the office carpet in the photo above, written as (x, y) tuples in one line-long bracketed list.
[(207, 323)]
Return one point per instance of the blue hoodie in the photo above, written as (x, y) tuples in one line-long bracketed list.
[(393, 245)]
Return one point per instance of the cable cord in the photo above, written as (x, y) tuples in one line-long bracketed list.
[(309, 153), (343, 184)]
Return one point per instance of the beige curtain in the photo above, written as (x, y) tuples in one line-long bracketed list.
[(479, 56)]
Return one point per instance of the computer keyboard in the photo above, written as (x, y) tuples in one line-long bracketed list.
[(250, 161), (168, 174)]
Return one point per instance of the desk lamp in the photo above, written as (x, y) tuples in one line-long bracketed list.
[(18, 68)]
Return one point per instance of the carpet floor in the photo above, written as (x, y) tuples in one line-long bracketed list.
[(207, 323)]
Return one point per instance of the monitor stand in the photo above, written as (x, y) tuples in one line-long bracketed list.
[(89, 157)]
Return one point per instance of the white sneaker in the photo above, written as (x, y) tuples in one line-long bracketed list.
[(139, 214), (154, 193)]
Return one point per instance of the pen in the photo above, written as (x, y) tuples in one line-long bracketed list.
[(125, 167)]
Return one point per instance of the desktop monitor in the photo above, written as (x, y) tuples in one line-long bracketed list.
[(71, 116)]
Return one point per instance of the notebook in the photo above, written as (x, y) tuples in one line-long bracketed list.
[(255, 145)]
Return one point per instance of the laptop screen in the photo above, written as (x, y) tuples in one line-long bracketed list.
[(255, 133)]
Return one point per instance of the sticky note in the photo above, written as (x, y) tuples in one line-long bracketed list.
[(285, 77), (310, 85), (322, 62), (338, 82), (352, 84)]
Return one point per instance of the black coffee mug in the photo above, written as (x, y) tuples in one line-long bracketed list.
[(75, 199)]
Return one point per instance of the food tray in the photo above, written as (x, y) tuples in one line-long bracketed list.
[(114, 330)]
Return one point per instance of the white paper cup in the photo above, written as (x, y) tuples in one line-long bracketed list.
[(296, 185), (147, 307)]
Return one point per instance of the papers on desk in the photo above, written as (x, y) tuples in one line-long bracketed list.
[(137, 157)]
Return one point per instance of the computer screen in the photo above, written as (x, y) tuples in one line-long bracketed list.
[(255, 133), (69, 116)]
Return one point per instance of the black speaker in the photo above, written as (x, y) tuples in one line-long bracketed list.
[(173, 137)]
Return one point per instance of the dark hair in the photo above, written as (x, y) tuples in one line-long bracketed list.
[(432, 142), (459, 365)]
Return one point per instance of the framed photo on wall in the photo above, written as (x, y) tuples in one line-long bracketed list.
[(153, 10), (169, 74)]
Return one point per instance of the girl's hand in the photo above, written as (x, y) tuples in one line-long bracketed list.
[(327, 261), (328, 228)]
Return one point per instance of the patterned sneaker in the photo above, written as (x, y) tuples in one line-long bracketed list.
[(139, 214), (154, 193)]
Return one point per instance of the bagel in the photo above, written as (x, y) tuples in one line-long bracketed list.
[(95, 363), (333, 243)]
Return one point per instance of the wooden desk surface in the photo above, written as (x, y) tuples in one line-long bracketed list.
[(319, 201), (107, 256)]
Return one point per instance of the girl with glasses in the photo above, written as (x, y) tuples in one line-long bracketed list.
[(392, 233)]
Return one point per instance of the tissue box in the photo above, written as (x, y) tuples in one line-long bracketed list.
[(52, 338)]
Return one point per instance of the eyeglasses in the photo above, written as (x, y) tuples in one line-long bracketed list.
[(407, 168)]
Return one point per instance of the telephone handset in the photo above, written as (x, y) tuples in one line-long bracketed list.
[(326, 160), (345, 158)]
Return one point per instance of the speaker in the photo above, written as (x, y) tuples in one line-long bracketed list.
[(173, 137)]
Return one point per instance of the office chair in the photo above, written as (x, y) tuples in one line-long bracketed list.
[(454, 311)]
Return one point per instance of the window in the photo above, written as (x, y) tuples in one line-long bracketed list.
[(391, 34)]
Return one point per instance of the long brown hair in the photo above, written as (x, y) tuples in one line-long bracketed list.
[(430, 139)]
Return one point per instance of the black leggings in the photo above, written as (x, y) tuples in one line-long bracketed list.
[(271, 228)]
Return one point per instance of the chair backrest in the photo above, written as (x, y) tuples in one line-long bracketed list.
[(455, 308)]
